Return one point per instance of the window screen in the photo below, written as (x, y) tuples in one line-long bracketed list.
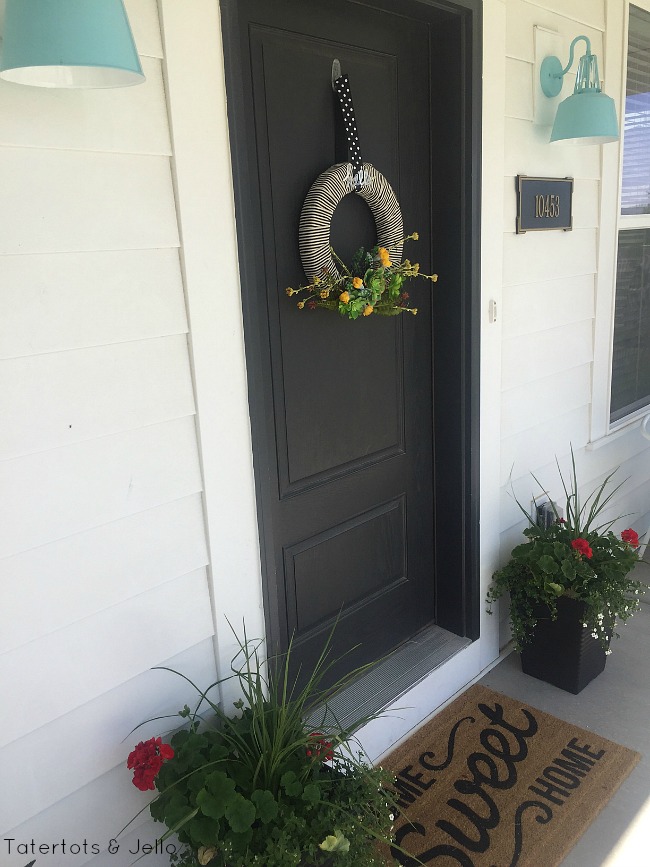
[(631, 353)]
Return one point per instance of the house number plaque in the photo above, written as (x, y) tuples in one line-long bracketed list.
[(543, 204)]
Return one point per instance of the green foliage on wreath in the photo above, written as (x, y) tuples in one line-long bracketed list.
[(372, 284)]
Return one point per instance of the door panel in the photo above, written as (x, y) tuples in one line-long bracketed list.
[(335, 419), (342, 411), (372, 548)]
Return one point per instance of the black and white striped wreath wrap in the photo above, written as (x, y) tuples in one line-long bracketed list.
[(324, 195)]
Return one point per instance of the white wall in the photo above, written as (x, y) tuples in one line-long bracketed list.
[(103, 553), (552, 363)]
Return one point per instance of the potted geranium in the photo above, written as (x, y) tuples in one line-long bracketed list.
[(262, 786), (569, 584)]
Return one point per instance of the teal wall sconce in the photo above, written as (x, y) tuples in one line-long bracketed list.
[(588, 116), (69, 43)]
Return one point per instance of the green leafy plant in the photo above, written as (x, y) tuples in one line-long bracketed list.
[(577, 557), (262, 787), (372, 284)]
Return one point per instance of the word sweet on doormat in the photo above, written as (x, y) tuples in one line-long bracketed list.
[(492, 782)]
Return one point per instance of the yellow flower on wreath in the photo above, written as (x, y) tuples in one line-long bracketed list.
[(346, 292), (384, 257)]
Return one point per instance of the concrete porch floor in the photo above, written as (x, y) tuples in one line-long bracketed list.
[(616, 705)]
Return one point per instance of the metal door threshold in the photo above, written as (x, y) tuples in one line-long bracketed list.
[(402, 669)]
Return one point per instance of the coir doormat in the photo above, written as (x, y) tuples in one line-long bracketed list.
[(492, 782)]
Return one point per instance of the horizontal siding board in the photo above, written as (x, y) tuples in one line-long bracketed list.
[(527, 152), (629, 458), (99, 653), (585, 205), (524, 489), (522, 16), (642, 526), (94, 738), (630, 450), (79, 576), (510, 537), (534, 307), (632, 500), (538, 446), (629, 511), (591, 12), (525, 407), (625, 509), (121, 119), (65, 201), (54, 494), (591, 469), (67, 397), (95, 813), (143, 17), (530, 357), (519, 89), (57, 301), (538, 256)]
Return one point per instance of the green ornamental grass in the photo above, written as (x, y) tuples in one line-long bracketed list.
[(261, 786)]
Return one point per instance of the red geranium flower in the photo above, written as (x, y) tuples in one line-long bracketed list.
[(631, 537), (582, 547), (146, 760), (320, 748)]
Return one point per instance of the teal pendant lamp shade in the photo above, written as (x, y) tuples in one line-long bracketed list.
[(69, 43), (585, 118), (588, 116)]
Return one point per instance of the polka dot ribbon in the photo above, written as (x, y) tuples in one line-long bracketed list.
[(342, 89)]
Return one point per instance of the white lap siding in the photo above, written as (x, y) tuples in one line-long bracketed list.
[(103, 554)]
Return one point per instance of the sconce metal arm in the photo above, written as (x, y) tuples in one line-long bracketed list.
[(551, 72), (571, 47)]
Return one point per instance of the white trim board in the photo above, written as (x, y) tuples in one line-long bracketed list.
[(194, 77)]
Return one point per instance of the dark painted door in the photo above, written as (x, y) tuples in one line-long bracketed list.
[(342, 411)]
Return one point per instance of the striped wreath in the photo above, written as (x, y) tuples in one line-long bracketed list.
[(325, 193), (373, 282)]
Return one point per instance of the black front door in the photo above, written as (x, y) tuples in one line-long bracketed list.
[(347, 444)]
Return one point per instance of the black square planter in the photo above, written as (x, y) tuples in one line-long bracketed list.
[(563, 652)]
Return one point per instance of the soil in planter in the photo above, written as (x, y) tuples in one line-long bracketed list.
[(563, 652)]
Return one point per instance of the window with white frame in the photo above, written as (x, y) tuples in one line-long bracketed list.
[(630, 389)]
